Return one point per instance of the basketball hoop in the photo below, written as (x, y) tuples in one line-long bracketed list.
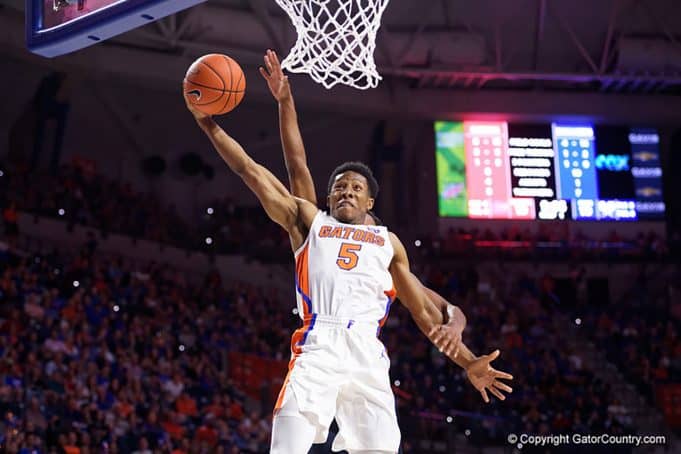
[(336, 40)]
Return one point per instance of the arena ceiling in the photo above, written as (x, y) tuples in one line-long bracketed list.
[(519, 44), (606, 47)]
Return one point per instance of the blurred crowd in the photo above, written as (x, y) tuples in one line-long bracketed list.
[(83, 197), (80, 196), (97, 355), (640, 333), (101, 355)]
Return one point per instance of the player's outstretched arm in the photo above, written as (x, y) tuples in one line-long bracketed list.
[(410, 291), (299, 175), (277, 201)]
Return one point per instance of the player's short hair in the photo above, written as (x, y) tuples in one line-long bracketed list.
[(376, 219), (360, 168)]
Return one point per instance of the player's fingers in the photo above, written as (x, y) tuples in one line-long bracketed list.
[(497, 393), (432, 332), (483, 393), (502, 386), (455, 350), (444, 345), (500, 374), (275, 60), (436, 329), (453, 345), (268, 64), (492, 356), (437, 337), (264, 73)]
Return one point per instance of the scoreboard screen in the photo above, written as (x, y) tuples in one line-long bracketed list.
[(496, 170)]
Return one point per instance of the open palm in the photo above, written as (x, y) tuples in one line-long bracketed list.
[(274, 75), (486, 378)]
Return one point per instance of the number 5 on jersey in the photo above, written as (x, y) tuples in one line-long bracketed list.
[(347, 257)]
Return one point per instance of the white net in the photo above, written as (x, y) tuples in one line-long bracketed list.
[(336, 40)]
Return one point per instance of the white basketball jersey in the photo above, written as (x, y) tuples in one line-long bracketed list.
[(342, 271)]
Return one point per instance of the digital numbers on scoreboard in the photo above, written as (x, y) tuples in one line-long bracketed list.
[(576, 175), (497, 170), (487, 170)]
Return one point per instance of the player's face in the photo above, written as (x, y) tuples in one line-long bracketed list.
[(349, 199)]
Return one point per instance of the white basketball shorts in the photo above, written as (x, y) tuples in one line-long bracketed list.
[(339, 368)]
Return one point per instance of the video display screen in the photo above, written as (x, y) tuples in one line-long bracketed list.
[(58, 27), (497, 170), (58, 12)]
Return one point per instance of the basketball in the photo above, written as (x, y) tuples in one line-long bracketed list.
[(214, 84)]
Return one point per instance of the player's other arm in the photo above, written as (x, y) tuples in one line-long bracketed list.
[(299, 175), (410, 291), (446, 337), (279, 204), (449, 311)]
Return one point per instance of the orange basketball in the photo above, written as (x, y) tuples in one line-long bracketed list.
[(214, 84)]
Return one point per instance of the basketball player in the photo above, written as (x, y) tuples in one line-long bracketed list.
[(447, 337), (347, 274)]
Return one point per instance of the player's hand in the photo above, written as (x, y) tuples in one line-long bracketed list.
[(198, 115), (275, 78), (486, 378), (447, 338)]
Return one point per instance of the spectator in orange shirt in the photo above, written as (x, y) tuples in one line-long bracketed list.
[(207, 434), (186, 406), (70, 446), (234, 410), (172, 426), (122, 406), (215, 408)]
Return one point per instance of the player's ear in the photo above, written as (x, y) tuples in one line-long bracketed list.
[(328, 201), (370, 203)]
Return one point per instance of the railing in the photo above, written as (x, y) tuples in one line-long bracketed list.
[(586, 250)]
